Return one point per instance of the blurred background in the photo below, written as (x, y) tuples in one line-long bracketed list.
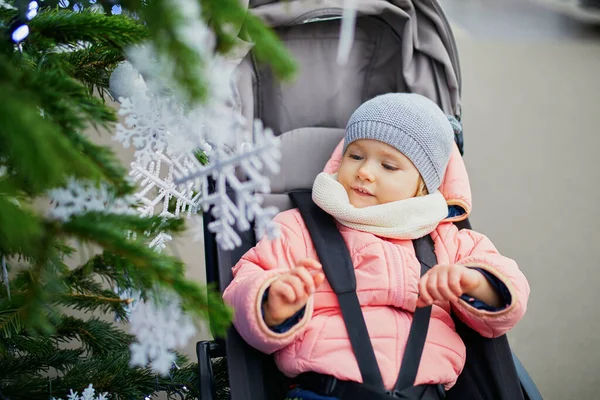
[(531, 112)]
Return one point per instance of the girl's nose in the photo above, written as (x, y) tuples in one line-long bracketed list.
[(364, 172)]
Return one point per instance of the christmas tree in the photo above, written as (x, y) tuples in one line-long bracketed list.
[(56, 61)]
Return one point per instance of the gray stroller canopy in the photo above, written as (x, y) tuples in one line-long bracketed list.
[(399, 46)]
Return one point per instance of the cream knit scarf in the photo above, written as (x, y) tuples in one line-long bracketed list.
[(404, 219)]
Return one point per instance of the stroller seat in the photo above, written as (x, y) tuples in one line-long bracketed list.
[(398, 46)]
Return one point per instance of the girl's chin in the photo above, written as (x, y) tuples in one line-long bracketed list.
[(362, 201)]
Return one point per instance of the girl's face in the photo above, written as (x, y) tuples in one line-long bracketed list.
[(373, 172)]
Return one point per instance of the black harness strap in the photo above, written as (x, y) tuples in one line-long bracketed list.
[(339, 270), (337, 266), (418, 330)]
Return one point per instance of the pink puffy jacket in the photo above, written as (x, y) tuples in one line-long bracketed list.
[(387, 273)]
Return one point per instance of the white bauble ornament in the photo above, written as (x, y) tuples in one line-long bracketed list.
[(125, 81)]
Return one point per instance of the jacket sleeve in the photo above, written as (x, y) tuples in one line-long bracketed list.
[(477, 251), (253, 274)]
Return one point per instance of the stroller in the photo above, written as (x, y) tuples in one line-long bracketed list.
[(398, 46)]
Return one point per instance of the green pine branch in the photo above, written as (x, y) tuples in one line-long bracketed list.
[(147, 268), (65, 100), (88, 44), (46, 102), (6, 14), (92, 66), (99, 338), (106, 302), (39, 157), (112, 230), (11, 321), (103, 267), (38, 361), (38, 290), (163, 20), (109, 371), (104, 159), (36, 293), (267, 47), (69, 28), (20, 229), (42, 287)]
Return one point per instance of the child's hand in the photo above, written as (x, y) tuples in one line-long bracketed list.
[(448, 283), (290, 291)]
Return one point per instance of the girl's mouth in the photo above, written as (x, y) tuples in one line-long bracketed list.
[(362, 192)]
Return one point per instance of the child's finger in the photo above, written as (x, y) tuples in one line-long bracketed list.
[(443, 286), (282, 289), (454, 281), (296, 284), (306, 278), (310, 263), (432, 287), (319, 278), (423, 291)]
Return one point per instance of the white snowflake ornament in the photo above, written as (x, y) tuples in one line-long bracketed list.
[(88, 394), (148, 119), (159, 243), (159, 328), (157, 186), (166, 134), (79, 197), (249, 160)]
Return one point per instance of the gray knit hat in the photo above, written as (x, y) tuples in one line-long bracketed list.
[(411, 123)]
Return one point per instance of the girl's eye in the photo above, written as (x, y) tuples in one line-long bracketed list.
[(389, 167), (355, 157)]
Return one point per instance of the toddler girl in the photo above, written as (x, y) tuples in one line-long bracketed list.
[(399, 178)]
